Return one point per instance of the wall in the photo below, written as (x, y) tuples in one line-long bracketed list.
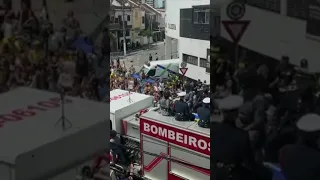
[(190, 30), (173, 13), (137, 15), (127, 12), (196, 48), (276, 35)]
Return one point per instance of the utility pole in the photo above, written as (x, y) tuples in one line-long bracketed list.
[(124, 30)]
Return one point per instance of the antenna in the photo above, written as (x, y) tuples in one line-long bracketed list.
[(65, 82), (130, 87), (63, 119)]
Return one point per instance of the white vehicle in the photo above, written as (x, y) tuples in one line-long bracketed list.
[(160, 137), (33, 148), (124, 104), (161, 68)]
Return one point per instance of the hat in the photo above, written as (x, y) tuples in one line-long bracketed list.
[(206, 100), (309, 123), (181, 94), (231, 103)]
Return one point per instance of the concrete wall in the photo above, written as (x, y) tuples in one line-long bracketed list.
[(196, 48), (173, 13), (276, 35)]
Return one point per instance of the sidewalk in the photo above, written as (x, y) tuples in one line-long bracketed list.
[(136, 51)]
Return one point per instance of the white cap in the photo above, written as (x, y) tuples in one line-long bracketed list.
[(309, 123), (181, 94), (231, 102), (206, 100)]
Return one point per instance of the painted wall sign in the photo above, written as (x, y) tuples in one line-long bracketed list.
[(31, 110), (171, 26)]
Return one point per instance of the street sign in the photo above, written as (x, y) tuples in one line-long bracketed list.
[(183, 71), (183, 64), (236, 10), (236, 29)]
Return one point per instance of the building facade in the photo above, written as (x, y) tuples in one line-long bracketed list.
[(281, 27), (189, 30), (150, 2)]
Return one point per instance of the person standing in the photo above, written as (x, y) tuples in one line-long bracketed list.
[(105, 44), (230, 146), (302, 160)]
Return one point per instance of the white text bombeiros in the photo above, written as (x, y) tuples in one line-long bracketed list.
[(176, 136)]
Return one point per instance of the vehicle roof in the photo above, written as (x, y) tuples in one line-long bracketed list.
[(190, 126), (163, 62), (33, 132), (125, 101)]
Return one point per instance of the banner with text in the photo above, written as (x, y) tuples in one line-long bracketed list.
[(186, 139)]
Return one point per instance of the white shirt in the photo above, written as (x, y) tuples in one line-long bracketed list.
[(65, 80)]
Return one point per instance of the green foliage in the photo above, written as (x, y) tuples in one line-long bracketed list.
[(145, 33), (112, 36)]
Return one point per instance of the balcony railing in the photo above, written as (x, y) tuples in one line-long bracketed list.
[(118, 25)]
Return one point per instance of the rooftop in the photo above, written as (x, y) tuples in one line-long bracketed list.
[(29, 133)]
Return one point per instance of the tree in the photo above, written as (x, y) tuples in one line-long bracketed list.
[(113, 42), (146, 33)]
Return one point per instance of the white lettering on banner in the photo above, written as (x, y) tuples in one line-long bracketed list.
[(162, 132), (177, 136), (180, 137)]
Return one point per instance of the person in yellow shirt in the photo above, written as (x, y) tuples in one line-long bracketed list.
[(34, 55)]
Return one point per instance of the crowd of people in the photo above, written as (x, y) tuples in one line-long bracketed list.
[(260, 110), (36, 54), (164, 91)]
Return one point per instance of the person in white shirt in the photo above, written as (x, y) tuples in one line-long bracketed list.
[(7, 28)]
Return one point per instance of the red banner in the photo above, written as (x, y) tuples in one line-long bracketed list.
[(186, 139)]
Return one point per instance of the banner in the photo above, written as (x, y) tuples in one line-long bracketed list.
[(186, 139), (313, 20)]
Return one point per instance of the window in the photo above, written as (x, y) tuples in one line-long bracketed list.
[(216, 26), (142, 19), (112, 19), (208, 61), (128, 18), (201, 16), (269, 5), (120, 18), (190, 59), (116, 20), (152, 72), (203, 63), (127, 33), (298, 9), (110, 125)]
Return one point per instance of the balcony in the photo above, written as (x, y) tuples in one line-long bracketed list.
[(118, 25)]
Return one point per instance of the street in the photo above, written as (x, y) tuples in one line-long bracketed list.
[(138, 58)]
